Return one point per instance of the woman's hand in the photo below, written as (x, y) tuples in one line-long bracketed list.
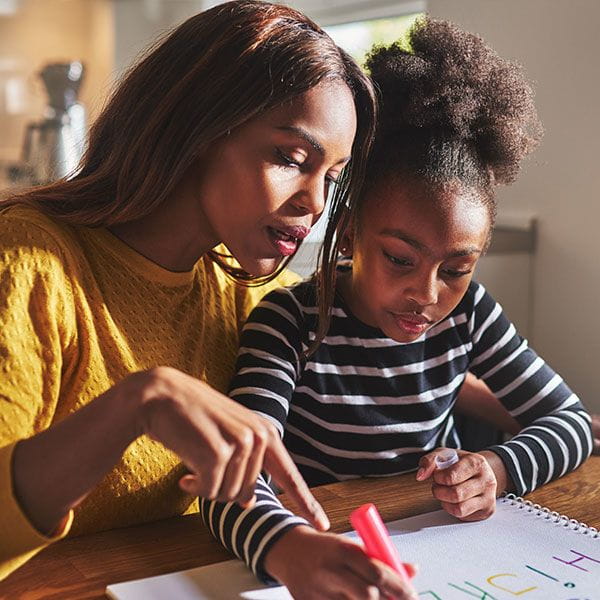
[(224, 445), (467, 489), (316, 565)]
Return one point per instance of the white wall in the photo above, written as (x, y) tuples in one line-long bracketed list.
[(138, 23), (558, 43)]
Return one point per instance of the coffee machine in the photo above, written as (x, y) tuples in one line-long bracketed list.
[(53, 146)]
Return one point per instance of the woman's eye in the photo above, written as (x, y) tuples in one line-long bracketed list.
[(287, 160), (401, 262)]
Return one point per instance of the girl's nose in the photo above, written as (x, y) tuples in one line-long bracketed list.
[(423, 288)]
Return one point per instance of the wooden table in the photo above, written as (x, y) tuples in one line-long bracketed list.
[(82, 567)]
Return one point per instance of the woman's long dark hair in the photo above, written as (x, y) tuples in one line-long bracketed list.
[(213, 73)]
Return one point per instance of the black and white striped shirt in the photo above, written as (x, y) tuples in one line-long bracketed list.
[(366, 405)]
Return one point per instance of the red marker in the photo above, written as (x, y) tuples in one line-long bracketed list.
[(376, 538)]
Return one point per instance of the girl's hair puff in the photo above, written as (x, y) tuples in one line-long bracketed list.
[(450, 108)]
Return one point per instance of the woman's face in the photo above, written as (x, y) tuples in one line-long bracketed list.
[(413, 255), (265, 184)]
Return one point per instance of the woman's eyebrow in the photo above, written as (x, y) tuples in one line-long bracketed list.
[(307, 137)]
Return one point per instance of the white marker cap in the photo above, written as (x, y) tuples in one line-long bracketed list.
[(446, 458)]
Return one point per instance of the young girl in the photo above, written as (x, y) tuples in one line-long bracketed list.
[(118, 320), (377, 396)]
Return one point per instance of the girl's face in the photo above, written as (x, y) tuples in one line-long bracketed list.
[(265, 184), (413, 254)]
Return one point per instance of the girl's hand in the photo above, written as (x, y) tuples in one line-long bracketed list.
[(318, 566), (224, 445), (467, 489)]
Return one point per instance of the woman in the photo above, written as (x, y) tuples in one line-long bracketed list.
[(118, 314)]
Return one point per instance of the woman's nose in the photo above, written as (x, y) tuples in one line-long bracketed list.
[(311, 199)]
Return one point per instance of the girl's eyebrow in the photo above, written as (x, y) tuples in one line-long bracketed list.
[(307, 137), (417, 245)]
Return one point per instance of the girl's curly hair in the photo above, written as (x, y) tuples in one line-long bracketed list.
[(450, 108)]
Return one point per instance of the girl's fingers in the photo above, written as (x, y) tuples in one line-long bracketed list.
[(458, 493), (471, 465), (482, 505), (481, 515), (426, 466), (377, 574)]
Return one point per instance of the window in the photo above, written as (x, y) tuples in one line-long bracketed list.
[(357, 38)]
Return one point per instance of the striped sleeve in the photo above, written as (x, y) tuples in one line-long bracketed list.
[(270, 356), (249, 533), (267, 369), (556, 436)]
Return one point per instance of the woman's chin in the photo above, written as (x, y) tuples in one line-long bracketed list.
[(261, 267)]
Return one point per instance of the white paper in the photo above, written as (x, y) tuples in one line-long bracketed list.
[(516, 555)]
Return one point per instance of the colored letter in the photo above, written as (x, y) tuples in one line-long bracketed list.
[(514, 592), (581, 557), (484, 595)]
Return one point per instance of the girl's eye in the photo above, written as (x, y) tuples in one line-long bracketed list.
[(330, 182), (455, 273), (400, 262)]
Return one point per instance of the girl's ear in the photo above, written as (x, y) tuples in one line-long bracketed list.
[(347, 240)]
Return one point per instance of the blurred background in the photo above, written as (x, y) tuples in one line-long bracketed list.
[(59, 60)]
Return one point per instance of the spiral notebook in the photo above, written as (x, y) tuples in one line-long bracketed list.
[(523, 552)]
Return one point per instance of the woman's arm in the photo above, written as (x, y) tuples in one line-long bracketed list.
[(475, 399), (222, 443), (596, 433)]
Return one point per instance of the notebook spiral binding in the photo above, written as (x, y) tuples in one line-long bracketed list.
[(550, 515)]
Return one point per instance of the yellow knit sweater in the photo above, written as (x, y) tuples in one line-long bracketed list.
[(80, 310)]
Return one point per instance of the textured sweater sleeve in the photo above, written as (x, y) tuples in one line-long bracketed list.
[(34, 312), (556, 436), (267, 369)]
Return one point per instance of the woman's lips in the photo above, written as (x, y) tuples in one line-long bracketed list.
[(282, 239), (297, 231)]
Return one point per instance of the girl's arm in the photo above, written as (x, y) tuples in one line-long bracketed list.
[(267, 369), (556, 434), (309, 562)]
